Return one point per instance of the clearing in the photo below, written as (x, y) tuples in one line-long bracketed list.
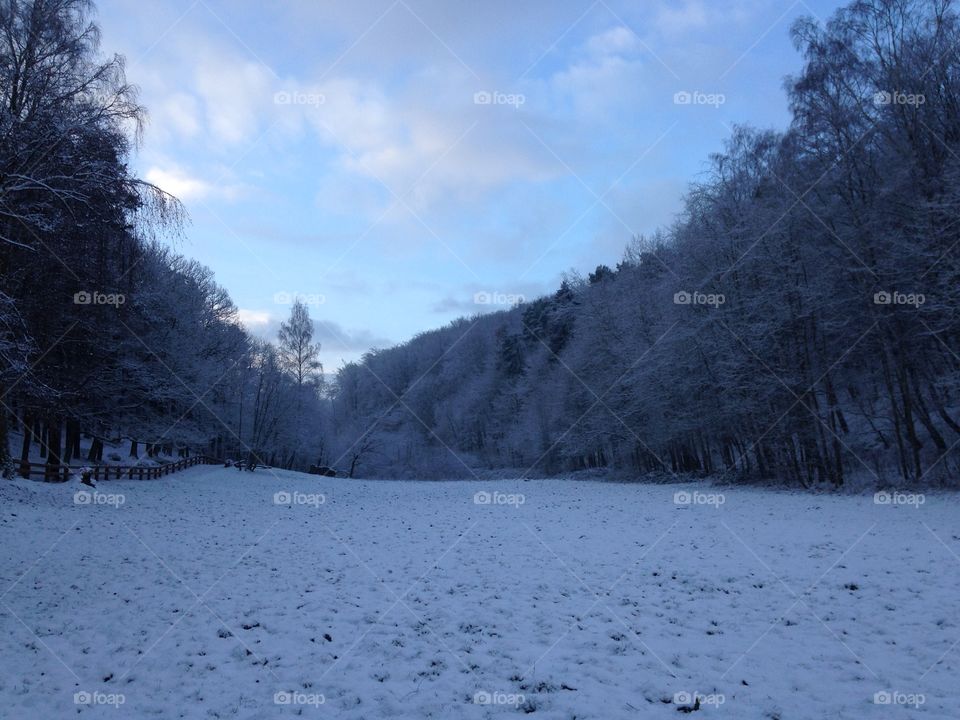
[(219, 594)]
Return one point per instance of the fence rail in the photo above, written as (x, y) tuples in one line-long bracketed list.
[(61, 473)]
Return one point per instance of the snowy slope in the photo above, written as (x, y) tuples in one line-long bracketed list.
[(207, 595)]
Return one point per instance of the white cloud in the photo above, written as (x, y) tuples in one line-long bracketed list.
[(427, 143), (607, 73), (180, 183), (177, 114), (236, 96), (355, 114), (677, 18), (254, 320), (615, 41)]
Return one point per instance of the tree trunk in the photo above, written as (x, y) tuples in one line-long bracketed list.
[(25, 448), (53, 448), (76, 438), (912, 438), (71, 441), (4, 443), (96, 450)]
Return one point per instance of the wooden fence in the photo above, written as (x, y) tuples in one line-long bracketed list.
[(62, 473)]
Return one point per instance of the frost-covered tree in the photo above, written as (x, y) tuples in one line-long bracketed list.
[(798, 321), (299, 355)]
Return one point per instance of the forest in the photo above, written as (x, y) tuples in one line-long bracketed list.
[(703, 466), (107, 333), (796, 323)]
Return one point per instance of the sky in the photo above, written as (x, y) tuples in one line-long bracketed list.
[(400, 163)]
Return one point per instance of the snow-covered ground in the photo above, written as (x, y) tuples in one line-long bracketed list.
[(208, 595)]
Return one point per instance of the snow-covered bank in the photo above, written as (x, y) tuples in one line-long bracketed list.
[(214, 593)]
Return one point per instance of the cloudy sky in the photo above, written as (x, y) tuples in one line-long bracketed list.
[(393, 161)]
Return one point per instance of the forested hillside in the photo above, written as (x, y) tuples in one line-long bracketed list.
[(105, 331), (797, 322)]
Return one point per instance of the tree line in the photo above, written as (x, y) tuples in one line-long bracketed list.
[(798, 321), (106, 333)]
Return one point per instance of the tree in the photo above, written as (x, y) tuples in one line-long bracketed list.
[(798, 321), (298, 353), (299, 357)]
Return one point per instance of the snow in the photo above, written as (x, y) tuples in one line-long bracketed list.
[(219, 594)]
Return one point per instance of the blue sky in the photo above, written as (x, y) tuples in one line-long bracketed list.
[(389, 160)]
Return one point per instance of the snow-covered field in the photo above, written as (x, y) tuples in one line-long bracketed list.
[(208, 595)]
